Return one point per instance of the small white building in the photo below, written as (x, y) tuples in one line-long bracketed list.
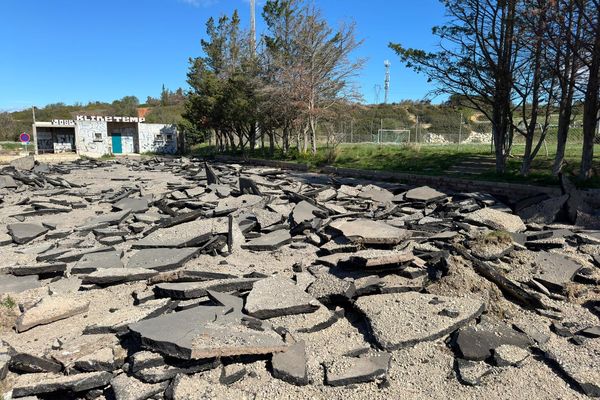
[(96, 136)]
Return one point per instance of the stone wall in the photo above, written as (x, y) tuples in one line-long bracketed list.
[(158, 138)]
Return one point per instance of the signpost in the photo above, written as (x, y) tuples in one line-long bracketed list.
[(25, 139)]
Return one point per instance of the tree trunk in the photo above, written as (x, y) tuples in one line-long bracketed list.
[(564, 120), (286, 139), (305, 138), (590, 110), (313, 135), (271, 143)]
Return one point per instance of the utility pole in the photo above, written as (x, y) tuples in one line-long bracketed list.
[(387, 64), (33, 112)]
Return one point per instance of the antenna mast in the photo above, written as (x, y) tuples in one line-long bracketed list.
[(387, 64), (252, 26)]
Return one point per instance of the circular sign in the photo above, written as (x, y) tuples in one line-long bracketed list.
[(24, 137)]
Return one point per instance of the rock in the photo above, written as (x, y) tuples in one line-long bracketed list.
[(51, 309), (7, 182), (375, 193), (496, 219), (189, 234), (14, 284), (161, 259), (350, 370), (276, 296), (472, 372), (579, 363), (25, 232), (591, 332), (24, 163), (40, 269), (367, 231), (33, 384), (232, 373), (424, 194), (269, 242), (544, 212), (111, 276), (100, 360), (247, 186), (25, 362), (128, 388), (555, 270), (377, 259), (195, 387), (97, 261), (329, 289), (401, 320), (146, 359), (4, 363), (478, 342), (326, 195), (204, 332), (195, 290), (136, 205), (508, 355), (290, 365), (232, 304), (5, 239), (304, 212), (166, 372), (211, 176), (104, 220), (66, 255)]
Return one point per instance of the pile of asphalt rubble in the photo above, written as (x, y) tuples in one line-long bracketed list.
[(231, 281)]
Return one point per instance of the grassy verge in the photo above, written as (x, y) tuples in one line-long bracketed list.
[(429, 160)]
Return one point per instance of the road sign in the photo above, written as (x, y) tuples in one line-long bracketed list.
[(24, 137)]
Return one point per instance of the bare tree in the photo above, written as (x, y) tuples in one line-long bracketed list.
[(324, 56)]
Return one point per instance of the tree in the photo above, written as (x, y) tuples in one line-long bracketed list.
[(535, 84), (476, 60), (127, 106), (9, 128), (282, 105), (563, 42), (223, 97), (590, 10), (325, 67)]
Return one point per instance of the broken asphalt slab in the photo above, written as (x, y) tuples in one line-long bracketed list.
[(402, 320)]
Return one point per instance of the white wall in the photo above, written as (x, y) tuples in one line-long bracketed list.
[(152, 138), (87, 141), (155, 138)]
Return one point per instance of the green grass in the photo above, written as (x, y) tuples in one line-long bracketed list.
[(431, 160), (12, 146), (8, 302)]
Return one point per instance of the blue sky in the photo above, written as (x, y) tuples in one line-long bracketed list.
[(83, 50)]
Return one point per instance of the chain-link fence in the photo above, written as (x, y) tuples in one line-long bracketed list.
[(453, 131)]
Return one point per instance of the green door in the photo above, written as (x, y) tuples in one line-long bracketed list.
[(117, 145)]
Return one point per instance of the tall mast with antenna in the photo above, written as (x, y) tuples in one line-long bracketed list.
[(252, 26), (387, 64)]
